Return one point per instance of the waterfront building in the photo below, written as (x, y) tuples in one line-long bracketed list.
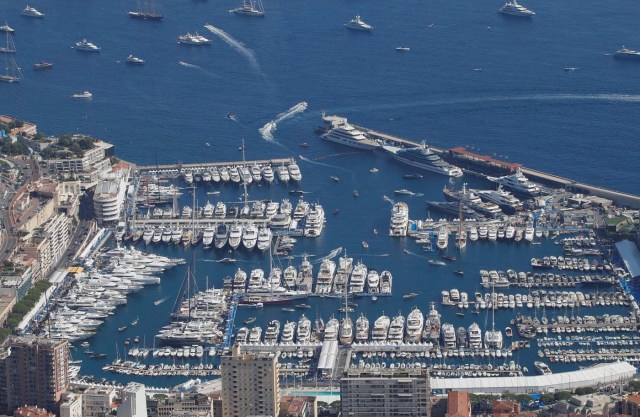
[(98, 401), (109, 197), (48, 244), (33, 371), (16, 277), (89, 166), (250, 384), (134, 401), (18, 127), (71, 405), (32, 411), (385, 392), (184, 403), (458, 404)]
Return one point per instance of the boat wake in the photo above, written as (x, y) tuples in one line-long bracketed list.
[(331, 255), (381, 255), (408, 252), (235, 44), (160, 301), (388, 199), (267, 130), (188, 65)]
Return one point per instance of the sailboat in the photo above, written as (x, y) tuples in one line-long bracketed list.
[(493, 337), (461, 239), (249, 8), (146, 11), (12, 71)]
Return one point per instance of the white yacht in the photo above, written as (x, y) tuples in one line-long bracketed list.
[(134, 60), (493, 339), (304, 330), (31, 12), (399, 219), (314, 223), (422, 157), (380, 329), (443, 238), (358, 278), (267, 173), (256, 280), (222, 236), (273, 332), (255, 334), (448, 336), (626, 53), (283, 174), (235, 235), (264, 238), (346, 331), (504, 199), (325, 276), (373, 282), (518, 183), (249, 8), (396, 329), (386, 281), (220, 210), (475, 336), (250, 236), (239, 280), (514, 9), (294, 172), (345, 134), (193, 39), (415, 322), (288, 333), (473, 234), (84, 94), (362, 328), (85, 45), (331, 329), (529, 233), (207, 236), (358, 24)]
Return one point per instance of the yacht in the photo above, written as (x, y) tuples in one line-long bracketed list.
[(422, 157), (6, 28), (380, 329), (358, 24), (283, 174), (221, 236), (256, 280), (345, 134), (399, 219), (386, 280), (362, 328), (195, 39), (493, 339), (134, 60), (267, 173), (461, 337), (331, 329), (345, 266), (147, 236), (432, 325), (207, 236), (396, 329), (358, 278), (31, 12), (415, 322), (346, 331), (146, 11), (249, 8), (443, 238), (452, 209), (542, 368), (314, 223), (403, 49), (473, 201), (626, 53), (250, 236), (325, 276), (448, 336), (273, 332), (264, 238), (239, 280), (514, 9), (504, 199), (510, 232), (517, 183), (473, 234), (85, 94), (294, 172), (529, 233), (85, 45), (235, 235), (304, 330), (10, 47), (256, 173), (220, 210), (288, 332), (242, 335), (255, 334), (475, 336), (373, 282)]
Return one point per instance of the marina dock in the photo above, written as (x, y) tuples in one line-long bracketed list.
[(175, 169)]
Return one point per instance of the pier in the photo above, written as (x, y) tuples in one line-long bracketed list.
[(489, 166), (175, 169)]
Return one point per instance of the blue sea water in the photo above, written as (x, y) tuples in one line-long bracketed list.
[(521, 107)]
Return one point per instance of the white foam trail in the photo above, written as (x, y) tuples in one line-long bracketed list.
[(331, 255), (188, 65), (235, 44), (267, 130), (311, 161)]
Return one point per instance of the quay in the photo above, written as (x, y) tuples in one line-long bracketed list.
[(175, 169), (485, 165)]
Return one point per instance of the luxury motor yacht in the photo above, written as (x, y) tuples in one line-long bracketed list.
[(358, 278), (358, 24), (239, 280), (345, 134), (346, 331), (415, 322), (84, 94), (255, 334), (221, 236), (134, 60), (267, 173), (373, 282), (443, 238), (504, 199), (249, 8), (193, 39), (331, 329), (235, 236), (273, 332), (362, 328), (396, 329), (85, 45), (288, 332), (256, 280), (294, 172), (448, 336), (386, 281), (31, 12), (518, 183), (475, 336), (207, 236), (327, 271), (626, 53), (304, 330), (422, 157), (399, 219), (514, 9), (380, 329), (264, 238), (250, 236)]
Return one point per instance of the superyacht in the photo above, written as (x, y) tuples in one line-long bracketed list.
[(221, 236), (514, 9), (345, 266), (207, 236), (250, 8), (358, 24), (264, 238), (196, 39), (399, 219), (474, 336), (346, 331), (331, 329), (31, 12), (273, 332), (422, 157), (304, 330), (396, 329), (324, 282), (235, 236), (504, 199), (626, 53), (345, 134), (362, 328), (386, 281), (415, 322), (288, 333), (373, 282), (85, 45), (380, 329), (294, 172), (358, 278), (473, 201), (448, 336), (250, 236), (518, 183)]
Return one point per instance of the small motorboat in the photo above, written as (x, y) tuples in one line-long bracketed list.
[(436, 262), (122, 328), (365, 244), (232, 116), (227, 260), (336, 179), (84, 94), (288, 309), (403, 49), (409, 295), (412, 176), (134, 60), (43, 65), (458, 272), (304, 145), (356, 194)]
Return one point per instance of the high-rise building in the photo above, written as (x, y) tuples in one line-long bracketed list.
[(71, 405), (385, 392), (134, 401), (250, 384), (98, 401), (33, 371), (458, 404)]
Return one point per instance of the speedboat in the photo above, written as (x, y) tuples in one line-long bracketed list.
[(357, 24), (514, 9), (403, 49), (43, 65), (31, 12), (85, 45), (134, 60), (85, 94), (196, 39), (626, 53)]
